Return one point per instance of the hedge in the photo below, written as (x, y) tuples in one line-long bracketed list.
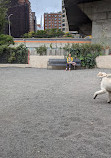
[(87, 53), (15, 55)]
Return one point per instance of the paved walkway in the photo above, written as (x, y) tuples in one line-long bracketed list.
[(51, 114)]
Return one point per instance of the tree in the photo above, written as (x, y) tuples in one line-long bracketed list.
[(41, 33), (3, 13), (49, 33), (54, 32), (6, 40)]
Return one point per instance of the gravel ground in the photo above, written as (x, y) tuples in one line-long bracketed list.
[(52, 114)]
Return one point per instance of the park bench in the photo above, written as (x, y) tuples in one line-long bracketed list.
[(61, 63)]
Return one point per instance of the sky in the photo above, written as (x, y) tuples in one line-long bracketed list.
[(43, 6)]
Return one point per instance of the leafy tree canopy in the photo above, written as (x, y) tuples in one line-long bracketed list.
[(3, 13), (6, 40), (49, 33)]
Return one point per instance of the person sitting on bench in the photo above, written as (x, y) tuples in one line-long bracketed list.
[(69, 62)]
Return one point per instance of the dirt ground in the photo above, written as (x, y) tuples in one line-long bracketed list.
[(52, 114)]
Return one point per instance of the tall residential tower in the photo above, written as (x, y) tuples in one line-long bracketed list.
[(52, 20), (65, 26), (21, 20)]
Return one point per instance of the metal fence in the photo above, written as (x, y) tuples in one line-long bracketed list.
[(50, 52)]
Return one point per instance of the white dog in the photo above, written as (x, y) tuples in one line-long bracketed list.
[(105, 85)]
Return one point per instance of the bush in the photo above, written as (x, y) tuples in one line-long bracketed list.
[(49, 33), (6, 40), (67, 34), (87, 53), (42, 50), (14, 55)]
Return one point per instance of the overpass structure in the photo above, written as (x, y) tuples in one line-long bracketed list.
[(90, 17), (55, 42)]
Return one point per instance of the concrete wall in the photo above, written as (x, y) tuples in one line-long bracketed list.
[(15, 65), (34, 62), (41, 61), (54, 42), (104, 61), (100, 14), (54, 45)]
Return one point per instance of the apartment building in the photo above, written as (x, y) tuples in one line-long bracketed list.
[(64, 23), (52, 20), (22, 19), (34, 21), (31, 20)]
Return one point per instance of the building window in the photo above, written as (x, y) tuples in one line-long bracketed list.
[(63, 24), (55, 22), (55, 15), (59, 22), (63, 15), (63, 29)]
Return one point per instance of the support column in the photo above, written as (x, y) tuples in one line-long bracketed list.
[(100, 14)]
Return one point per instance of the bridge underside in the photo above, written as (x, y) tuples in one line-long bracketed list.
[(90, 17), (77, 19)]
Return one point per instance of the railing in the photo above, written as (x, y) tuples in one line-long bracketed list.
[(49, 52)]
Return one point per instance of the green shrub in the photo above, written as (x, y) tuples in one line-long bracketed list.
[(67, 34), (17, 55), (87, 53), (49, 33), (6, 40), (42, 50)]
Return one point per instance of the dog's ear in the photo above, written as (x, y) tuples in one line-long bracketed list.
[(99, 74), (102, 74)]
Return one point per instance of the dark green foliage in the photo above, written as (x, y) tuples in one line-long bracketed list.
[(67, 34), (3, 14), (11, 54), (87, 53), (6, 39), (42, 50), (15, 55), (49, 33), (13, 2)]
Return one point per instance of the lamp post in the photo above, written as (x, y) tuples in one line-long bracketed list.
[(9, 23)]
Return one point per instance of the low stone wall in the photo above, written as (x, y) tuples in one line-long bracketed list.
[(41, 61), (104, 61), (15, 65)]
